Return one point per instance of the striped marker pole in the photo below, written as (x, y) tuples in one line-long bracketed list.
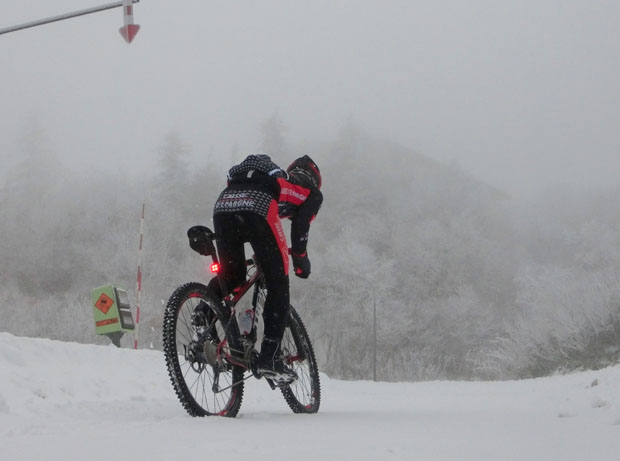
[(139, 279)]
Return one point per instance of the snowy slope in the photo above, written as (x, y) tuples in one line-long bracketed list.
[(65, 401)]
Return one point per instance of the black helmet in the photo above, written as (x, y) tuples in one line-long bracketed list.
[(306, 166)]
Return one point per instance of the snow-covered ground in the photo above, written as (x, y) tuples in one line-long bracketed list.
[(65, 401)]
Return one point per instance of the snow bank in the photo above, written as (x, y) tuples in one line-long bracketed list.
[(63, 401)]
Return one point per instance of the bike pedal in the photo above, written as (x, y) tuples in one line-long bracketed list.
[(276, 380)]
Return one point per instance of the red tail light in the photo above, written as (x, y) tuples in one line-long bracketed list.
[(215, 268)]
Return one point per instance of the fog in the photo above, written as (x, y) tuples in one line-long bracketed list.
[(468, 152), (521, 95)]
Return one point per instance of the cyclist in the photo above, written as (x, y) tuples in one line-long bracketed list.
[(258, 194)]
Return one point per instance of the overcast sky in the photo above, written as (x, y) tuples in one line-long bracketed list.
[(521, 93)]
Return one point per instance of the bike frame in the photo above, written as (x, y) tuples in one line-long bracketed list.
[(201, 240), (242, 289), (232, 299), (202, 344)]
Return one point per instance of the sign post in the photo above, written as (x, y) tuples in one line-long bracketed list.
[(128, 31)]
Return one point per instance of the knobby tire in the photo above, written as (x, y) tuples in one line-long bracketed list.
[(304, 395), (192, 380)]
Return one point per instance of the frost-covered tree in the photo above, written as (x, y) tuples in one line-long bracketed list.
[(568, 295), (431, 247)]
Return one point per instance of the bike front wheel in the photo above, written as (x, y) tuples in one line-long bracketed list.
[(199, 345), (304, 395)]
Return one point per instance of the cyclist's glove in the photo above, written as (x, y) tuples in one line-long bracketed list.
[(301, 264)]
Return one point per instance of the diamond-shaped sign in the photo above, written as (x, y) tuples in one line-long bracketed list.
[(104, 303)]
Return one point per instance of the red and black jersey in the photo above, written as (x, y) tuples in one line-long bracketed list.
[(300, 203), (259, 186)]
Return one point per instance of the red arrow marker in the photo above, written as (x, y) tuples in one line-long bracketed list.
[(129, 30)]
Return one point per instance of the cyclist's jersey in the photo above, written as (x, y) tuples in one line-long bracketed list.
[(257, 185)]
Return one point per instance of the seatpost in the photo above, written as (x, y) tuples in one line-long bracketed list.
[(220, 280)]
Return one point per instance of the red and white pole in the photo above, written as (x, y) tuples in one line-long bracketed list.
[(139, 279), (129, 29)]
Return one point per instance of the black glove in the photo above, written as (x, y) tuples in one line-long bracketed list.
[(301, 264)]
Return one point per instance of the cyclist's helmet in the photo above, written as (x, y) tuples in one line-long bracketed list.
[(305, 166)]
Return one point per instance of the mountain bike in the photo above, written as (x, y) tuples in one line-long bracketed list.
[(207, 355)]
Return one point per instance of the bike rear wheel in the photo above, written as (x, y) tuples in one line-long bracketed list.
[(304, 395), (198, 344)]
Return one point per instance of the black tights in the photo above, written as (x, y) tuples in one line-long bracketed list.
[(232, 231)]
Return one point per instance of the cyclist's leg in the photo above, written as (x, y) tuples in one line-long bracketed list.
[(230, 232), (277, 302), (268, 250), (277, 305)]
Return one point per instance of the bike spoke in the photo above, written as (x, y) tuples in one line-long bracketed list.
[(303, 395), (207, 358), (204, 385)]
